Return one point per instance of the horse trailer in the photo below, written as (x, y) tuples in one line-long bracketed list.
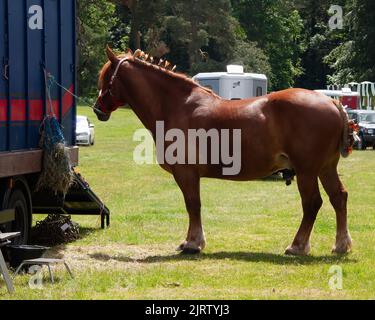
[(348, 98), (37, 36), (234, 84)]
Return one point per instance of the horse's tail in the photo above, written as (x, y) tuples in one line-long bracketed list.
[(347, 139)]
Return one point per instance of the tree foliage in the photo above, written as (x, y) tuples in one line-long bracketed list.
[(96, 20), (353, 58), (276, 26), (288, 40)]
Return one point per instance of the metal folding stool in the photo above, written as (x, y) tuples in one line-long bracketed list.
[(44, 262)]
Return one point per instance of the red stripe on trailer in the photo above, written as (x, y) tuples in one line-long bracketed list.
[(36, 108), (67, 101), (18, 110), (3, 110)]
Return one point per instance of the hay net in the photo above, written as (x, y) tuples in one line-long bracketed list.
[(57, 173)]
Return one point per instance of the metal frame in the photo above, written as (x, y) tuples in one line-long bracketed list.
[(4, 240), (44, 262), (80, 200), (4, 271)]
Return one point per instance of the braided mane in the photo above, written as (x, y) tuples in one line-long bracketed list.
[(156, 63)]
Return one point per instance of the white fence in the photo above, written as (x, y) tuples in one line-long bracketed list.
[(365, 89)]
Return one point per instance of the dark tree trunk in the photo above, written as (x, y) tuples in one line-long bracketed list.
[(193, 43), (135, 34)]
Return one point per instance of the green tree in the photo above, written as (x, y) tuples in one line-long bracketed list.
[(143, 15), (318, 41), (204, 28), (276, 26), (96, 19), (353, 59), (364, 39), (196, 35), (207, 37), (252, 58)]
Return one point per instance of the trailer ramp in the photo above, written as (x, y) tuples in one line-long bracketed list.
[(80, 200)]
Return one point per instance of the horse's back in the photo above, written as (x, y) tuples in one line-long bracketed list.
[(302, 126)]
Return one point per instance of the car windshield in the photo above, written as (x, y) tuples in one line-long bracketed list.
[(81, 121), (367, 117)]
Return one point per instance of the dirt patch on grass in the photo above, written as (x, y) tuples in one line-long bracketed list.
[(115, 256)]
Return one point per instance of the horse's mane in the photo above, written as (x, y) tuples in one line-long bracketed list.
[(141, 58)]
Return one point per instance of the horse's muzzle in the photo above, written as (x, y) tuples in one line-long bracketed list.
[(101, 115)]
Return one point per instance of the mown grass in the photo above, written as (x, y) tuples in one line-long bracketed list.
[(248, 225)]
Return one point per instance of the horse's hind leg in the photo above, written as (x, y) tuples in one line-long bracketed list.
[(311, 202), (338, 197)]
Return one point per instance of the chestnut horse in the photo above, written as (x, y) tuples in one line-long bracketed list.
[(294, 129)]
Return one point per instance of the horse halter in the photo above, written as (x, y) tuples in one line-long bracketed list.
[(108, 90)]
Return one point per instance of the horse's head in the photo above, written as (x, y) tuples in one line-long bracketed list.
[(110, 96)]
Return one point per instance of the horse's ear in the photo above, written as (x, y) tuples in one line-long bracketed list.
[(130, 51), (111, 56)]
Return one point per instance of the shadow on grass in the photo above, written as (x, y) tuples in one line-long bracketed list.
[(106, 257), (255, 257), (239, 256)]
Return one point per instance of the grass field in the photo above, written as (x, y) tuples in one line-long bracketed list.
[(248, 225)]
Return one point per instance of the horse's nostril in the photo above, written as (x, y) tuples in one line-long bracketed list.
[(103, 117)]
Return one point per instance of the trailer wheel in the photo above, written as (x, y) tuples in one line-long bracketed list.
[(18, 202)]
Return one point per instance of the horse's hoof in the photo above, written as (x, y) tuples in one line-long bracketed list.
[(298, 250), (181, 246), (343, 245), (189, 248), (191, 251)]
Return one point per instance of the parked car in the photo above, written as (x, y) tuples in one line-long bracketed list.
[(366, 121), (85, 131)]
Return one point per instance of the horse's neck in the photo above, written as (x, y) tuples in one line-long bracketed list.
[(154, 99)]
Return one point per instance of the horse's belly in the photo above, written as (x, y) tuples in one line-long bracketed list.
[(249, 168)]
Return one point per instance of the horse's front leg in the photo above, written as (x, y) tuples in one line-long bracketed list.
[(188, 180)]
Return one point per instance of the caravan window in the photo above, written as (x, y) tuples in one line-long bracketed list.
[(212, 84), (259, 91)]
